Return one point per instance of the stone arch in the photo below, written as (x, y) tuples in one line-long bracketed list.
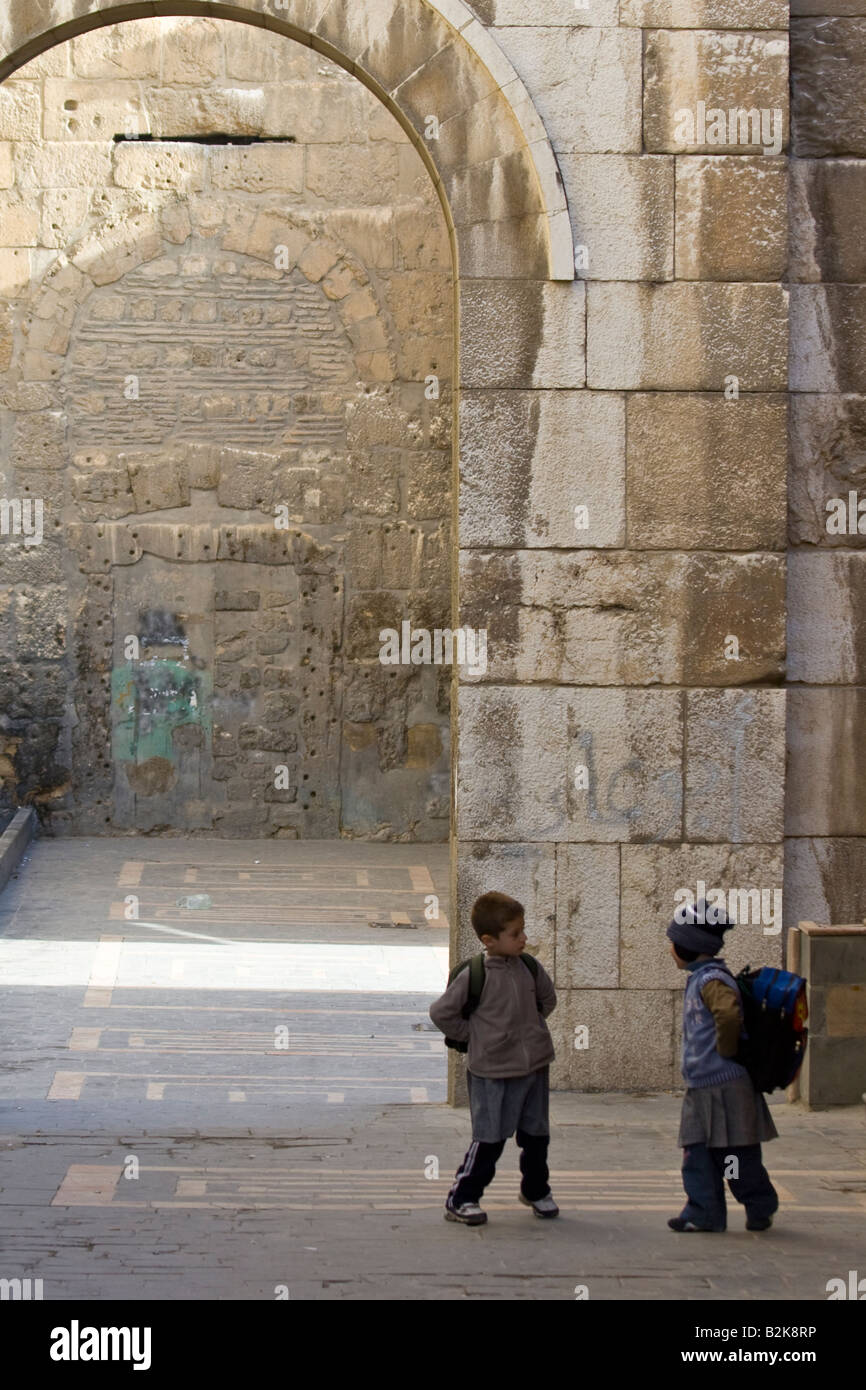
[(490, 160), (110, 251)]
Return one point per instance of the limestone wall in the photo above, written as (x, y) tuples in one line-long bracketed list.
[(219, 361), (825, 804), (622, 447), (638, 649)]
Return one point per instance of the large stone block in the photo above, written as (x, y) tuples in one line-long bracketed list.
[(738, 597), (626, 746), (828, 220), (320, 113), (826, 634), (20, 111), (192, 53), (706, 473), (828, 338), (19, 223), (715, 93), (587, 916), (511, 770), (828, 460), (201, 111), (157, 483), (517, 248), (39, 441), (528, 459), (273, 58), (422, 241), (599, 765), (622, 215), (826, 762), (360, 175), (586, 84), (731, 218), (120, 50), (525, 872), (92, 111), (704, 14), (443, 86), (48, 165), (179, 167), (527, 334), (825, 880), (14, 272), (624, 618), (655, 879), (7, 168), (625, 1040), (684, 337), (735, 765), (40, 623), (828, 73)]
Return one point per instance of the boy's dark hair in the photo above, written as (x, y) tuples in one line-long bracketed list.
[(492, 912)]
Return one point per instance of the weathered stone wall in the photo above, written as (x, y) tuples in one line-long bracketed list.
[(622, 451), (647, 749), (217, 387), (825, 819)]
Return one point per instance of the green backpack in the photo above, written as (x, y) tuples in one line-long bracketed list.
[(476, 984)]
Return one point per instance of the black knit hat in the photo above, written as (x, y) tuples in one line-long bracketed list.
[(695, 932)]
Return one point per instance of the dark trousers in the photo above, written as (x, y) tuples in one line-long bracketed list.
[(704, 1181), (479, 1166)]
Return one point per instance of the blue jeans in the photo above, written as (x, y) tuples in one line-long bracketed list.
[(704, 1181)]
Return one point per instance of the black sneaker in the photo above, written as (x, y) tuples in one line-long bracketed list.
[(677, 1223), (759, 1223), (468, 1212)]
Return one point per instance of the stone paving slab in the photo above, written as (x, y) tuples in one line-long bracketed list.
[(155, 1144), (348, 1211)]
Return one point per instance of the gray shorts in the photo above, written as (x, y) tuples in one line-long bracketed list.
[(501, 1105)]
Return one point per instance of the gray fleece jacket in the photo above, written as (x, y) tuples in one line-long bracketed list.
[(507, 1034)]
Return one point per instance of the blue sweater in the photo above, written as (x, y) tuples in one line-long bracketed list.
[(702, 1064)]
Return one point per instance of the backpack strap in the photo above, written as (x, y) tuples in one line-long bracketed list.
[(476, 979), (475, 966), (477, 975)]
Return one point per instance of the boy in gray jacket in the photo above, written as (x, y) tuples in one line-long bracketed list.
[(508, 1061)]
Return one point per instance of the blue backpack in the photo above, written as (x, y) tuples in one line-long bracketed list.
[(774, 1017)]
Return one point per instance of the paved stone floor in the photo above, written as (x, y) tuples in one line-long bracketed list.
[(243, 1098)]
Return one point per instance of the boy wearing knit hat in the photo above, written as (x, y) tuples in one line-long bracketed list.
[(724, 1119)]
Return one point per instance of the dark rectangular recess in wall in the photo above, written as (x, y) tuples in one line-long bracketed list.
[(215, 139)]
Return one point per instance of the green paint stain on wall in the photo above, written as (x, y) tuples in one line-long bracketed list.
[(150, 700)]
